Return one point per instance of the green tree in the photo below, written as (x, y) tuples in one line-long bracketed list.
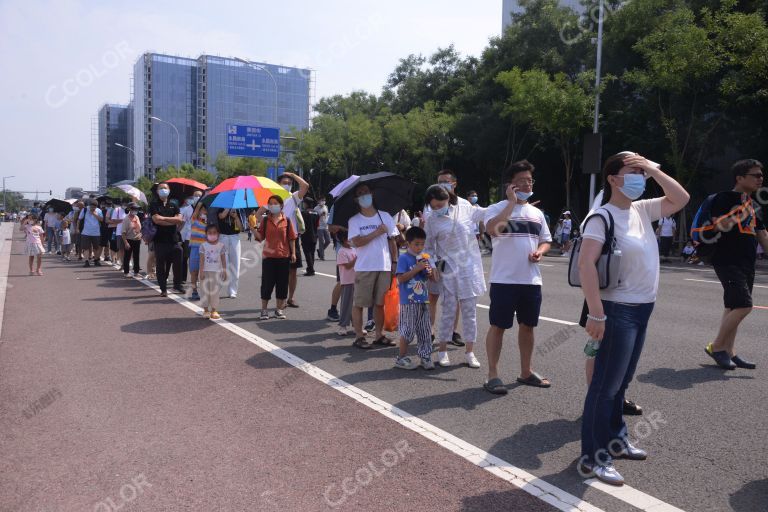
[(555, 106)]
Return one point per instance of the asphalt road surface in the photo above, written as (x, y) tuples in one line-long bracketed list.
[(109, 392)]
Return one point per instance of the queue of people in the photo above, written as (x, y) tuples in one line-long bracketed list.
[(436, 256)]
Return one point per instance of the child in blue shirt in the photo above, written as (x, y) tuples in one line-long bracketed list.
[(413, 271)]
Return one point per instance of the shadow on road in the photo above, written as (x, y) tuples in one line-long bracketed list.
[(493, 501), (466, 399), (166, 326), (669, 378), (753, 496), (530, 441)]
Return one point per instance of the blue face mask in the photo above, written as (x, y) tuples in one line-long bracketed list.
[(365, 201), (634, 186), (523, 196), (473, 199), (274, 209), (441, 211), (447, 186), (163, 192)]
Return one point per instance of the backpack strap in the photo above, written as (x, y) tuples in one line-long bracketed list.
[(609, 228)]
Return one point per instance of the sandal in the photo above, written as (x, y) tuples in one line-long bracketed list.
[(292, 304), (534, 380), (495, 386), (384, 342), (361, 343)]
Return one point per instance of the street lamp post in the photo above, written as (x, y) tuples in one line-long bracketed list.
[(598, 66), (274, 82), (5, 205), (134, 158), (178, 139)]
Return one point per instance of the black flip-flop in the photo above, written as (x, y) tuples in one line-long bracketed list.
[(534, 380), (361, 343), (495, 386), (384, 342)]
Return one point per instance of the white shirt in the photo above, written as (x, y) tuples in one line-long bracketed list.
[(525, 230), (322, 212), (212, 254), (50, 219), (289, 209), (91, 225), (186, 216), (452, 238), (428, 211), (118, 214), (667, 225), (404, 219), (567, 223), (639, 270), (374, 256), (65, 238)]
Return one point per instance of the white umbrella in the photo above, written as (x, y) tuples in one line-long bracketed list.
[(133, 192)]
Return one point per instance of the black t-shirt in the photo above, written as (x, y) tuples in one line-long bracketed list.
[(310, 225), (739, 245), (168, 234), (227, 225)]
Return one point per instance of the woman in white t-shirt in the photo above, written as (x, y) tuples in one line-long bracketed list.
[(618, 317), (451, 238)]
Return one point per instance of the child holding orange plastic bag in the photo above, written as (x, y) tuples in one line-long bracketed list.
[(413, 271)]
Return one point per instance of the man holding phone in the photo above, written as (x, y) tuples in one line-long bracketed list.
[(520, 239)]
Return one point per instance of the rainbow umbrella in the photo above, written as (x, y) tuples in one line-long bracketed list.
[(245, 192)]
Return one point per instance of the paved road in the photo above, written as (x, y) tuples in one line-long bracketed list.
[(153, 392)]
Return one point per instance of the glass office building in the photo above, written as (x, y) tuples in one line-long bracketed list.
[(200, 97), (255, 94), (164, 88), (115, 163)]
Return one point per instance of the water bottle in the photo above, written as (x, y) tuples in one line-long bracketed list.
[(591, 348)]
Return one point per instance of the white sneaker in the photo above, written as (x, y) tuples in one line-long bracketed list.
[(343, 331), (472, 361), (442, 359)]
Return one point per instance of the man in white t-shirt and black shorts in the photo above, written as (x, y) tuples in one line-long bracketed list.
[(372, 233), (520, 239)]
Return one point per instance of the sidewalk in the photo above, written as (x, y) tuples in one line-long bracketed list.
[(114, 398)]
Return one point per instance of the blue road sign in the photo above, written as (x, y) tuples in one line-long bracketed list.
[(253, 141), (272, 174)]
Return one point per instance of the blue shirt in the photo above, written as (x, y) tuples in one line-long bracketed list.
[(413, 291)]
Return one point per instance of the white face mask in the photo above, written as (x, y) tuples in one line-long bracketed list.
[(287, 187)]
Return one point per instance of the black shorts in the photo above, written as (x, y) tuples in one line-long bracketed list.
[(104, 239), (737, 281), (510, 299), (665, 245), (297, 251)]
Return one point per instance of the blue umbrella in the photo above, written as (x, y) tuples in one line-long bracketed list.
[(235, 199)]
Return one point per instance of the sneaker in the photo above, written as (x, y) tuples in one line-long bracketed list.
[(333, 315), (471, 360), (405, 363), (629, 452), (180, 290), (442, 359), (428, 364), (604, 472), (206, 313), (264, 315), (87, 264), (309, 274), (457, 340), (370, 326), (194, 296), (232, 295), (343, 331), (97, 263), (280, 314), (215, 315), (630, 408), (126, 274), (721, 357)]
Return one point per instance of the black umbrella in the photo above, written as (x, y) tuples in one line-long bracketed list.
[(391, 193), (58, 205)]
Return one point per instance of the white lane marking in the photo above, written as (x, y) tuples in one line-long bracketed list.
[(718, 282), (6, 232), (683, 269), (520, 478), (483, 306)]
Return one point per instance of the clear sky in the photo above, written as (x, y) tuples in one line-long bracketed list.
[(61, 60)]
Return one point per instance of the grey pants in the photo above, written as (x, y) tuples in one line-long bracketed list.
[(345, 305)]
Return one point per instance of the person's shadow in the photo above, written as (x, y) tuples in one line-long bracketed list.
[(669, 378), (752, 497), (524, 447), (467, 399), (514, 499), (168, 326)]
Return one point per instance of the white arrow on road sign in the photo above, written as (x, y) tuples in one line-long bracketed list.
[(252, 145)]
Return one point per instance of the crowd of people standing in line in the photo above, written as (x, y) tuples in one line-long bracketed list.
[(437, 256)]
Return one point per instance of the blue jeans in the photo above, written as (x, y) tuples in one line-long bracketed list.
[(602, 423), (50, 234)]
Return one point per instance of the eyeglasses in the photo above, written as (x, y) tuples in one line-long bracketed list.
[(757, 176), (526, 180)]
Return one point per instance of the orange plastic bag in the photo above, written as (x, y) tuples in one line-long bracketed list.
[(392, 307)]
